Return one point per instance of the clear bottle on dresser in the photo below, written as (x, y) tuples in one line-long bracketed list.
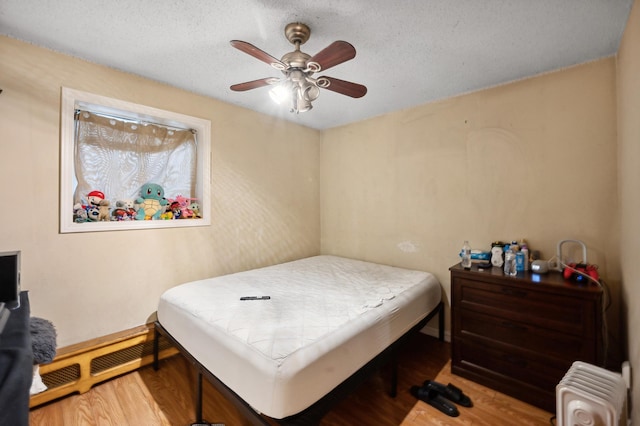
[(525, 250), (510, 262), (466, 255)]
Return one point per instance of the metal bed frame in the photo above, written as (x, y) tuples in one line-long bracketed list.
[(314, 413)]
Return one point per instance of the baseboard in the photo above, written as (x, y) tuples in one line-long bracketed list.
[(77, 368), (433, 331)]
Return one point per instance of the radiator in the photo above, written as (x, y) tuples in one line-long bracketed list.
[(590, 395)]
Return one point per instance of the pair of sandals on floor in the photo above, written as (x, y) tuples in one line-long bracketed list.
[(441, 397)]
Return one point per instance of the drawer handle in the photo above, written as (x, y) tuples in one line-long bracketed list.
[(514, 292), (513, 326)]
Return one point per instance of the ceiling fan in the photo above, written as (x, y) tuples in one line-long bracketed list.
[(298, 86)]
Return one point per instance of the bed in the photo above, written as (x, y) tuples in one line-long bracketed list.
[(308, 332)]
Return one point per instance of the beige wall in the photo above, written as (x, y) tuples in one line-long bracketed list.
[(535, 159), (629, 175), (265, 195)]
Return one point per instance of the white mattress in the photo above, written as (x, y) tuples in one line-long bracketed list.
[(326, 318)]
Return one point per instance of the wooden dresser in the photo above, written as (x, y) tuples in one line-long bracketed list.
[(519, 335)]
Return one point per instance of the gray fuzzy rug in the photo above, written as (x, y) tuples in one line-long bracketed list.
[(43, 340)]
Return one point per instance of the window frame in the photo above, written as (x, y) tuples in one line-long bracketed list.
[(73, 99)]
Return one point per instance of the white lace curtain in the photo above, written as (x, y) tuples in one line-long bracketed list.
[(117, 156)]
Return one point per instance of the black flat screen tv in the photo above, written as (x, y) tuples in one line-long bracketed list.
[(10, 279)]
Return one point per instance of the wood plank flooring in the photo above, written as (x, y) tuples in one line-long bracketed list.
[(166, 398), (489, 408)]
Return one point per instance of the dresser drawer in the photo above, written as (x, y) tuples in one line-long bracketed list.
[(526, 305), (511, 365), (525, 335)]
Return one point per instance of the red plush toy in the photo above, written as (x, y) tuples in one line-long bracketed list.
[(577, 271)]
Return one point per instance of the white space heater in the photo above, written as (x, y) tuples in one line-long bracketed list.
[(591, 396)]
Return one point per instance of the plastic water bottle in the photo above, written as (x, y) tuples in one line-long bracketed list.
[(519, 261), (466, 255), (510, 262), (525, 251)]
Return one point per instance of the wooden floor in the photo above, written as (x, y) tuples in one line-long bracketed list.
[(166, 398)]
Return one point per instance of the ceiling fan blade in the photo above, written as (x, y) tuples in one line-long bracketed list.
[(241, 87), (250, 49), (334, 54), (344, 87)]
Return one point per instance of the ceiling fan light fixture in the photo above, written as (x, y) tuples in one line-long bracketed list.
[(280, 93), (298, 90), (301, 105), (309, 92), (303, 95)]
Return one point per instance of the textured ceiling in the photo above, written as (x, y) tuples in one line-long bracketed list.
[(408, 52)]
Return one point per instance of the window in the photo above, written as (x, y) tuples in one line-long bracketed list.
[(129, 166)]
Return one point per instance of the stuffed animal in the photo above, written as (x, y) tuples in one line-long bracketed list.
[(92, 208), (120, 212), (195, 208), (175, 210), (94, 198), (131, 207), (151, 202), (103, 211), (93, 213), (79, 213), (124, 210), (185, 211)]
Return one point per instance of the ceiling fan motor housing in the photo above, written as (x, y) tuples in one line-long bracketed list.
[(297, 32), (296, 59)]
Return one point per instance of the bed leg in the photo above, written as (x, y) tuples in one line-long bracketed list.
[(156, 349), (199, 420), (199, 398), (441, 322)]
